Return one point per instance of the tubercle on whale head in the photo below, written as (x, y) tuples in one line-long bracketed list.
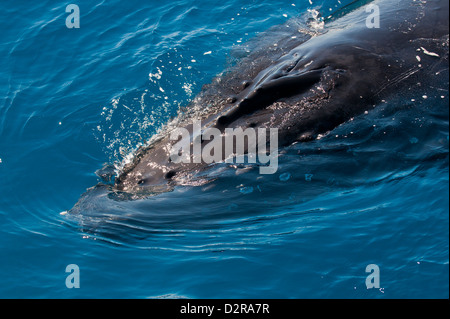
[(138, 179)]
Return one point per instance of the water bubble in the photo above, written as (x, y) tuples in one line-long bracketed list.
[(285, 177), (246, 190)]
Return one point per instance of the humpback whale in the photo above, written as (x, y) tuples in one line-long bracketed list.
[(310, 85)]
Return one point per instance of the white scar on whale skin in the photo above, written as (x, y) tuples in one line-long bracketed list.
[(429, 53)]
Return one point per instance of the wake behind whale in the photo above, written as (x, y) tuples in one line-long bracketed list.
[(307, 87)]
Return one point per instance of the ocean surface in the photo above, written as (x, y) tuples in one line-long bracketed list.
[(373, 191)]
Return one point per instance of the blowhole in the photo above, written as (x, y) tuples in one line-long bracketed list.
[(222, 120)]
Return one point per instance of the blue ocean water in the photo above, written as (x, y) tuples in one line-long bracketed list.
[(373, 191)]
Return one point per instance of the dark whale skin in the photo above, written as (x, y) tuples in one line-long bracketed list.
[(312, 86)]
